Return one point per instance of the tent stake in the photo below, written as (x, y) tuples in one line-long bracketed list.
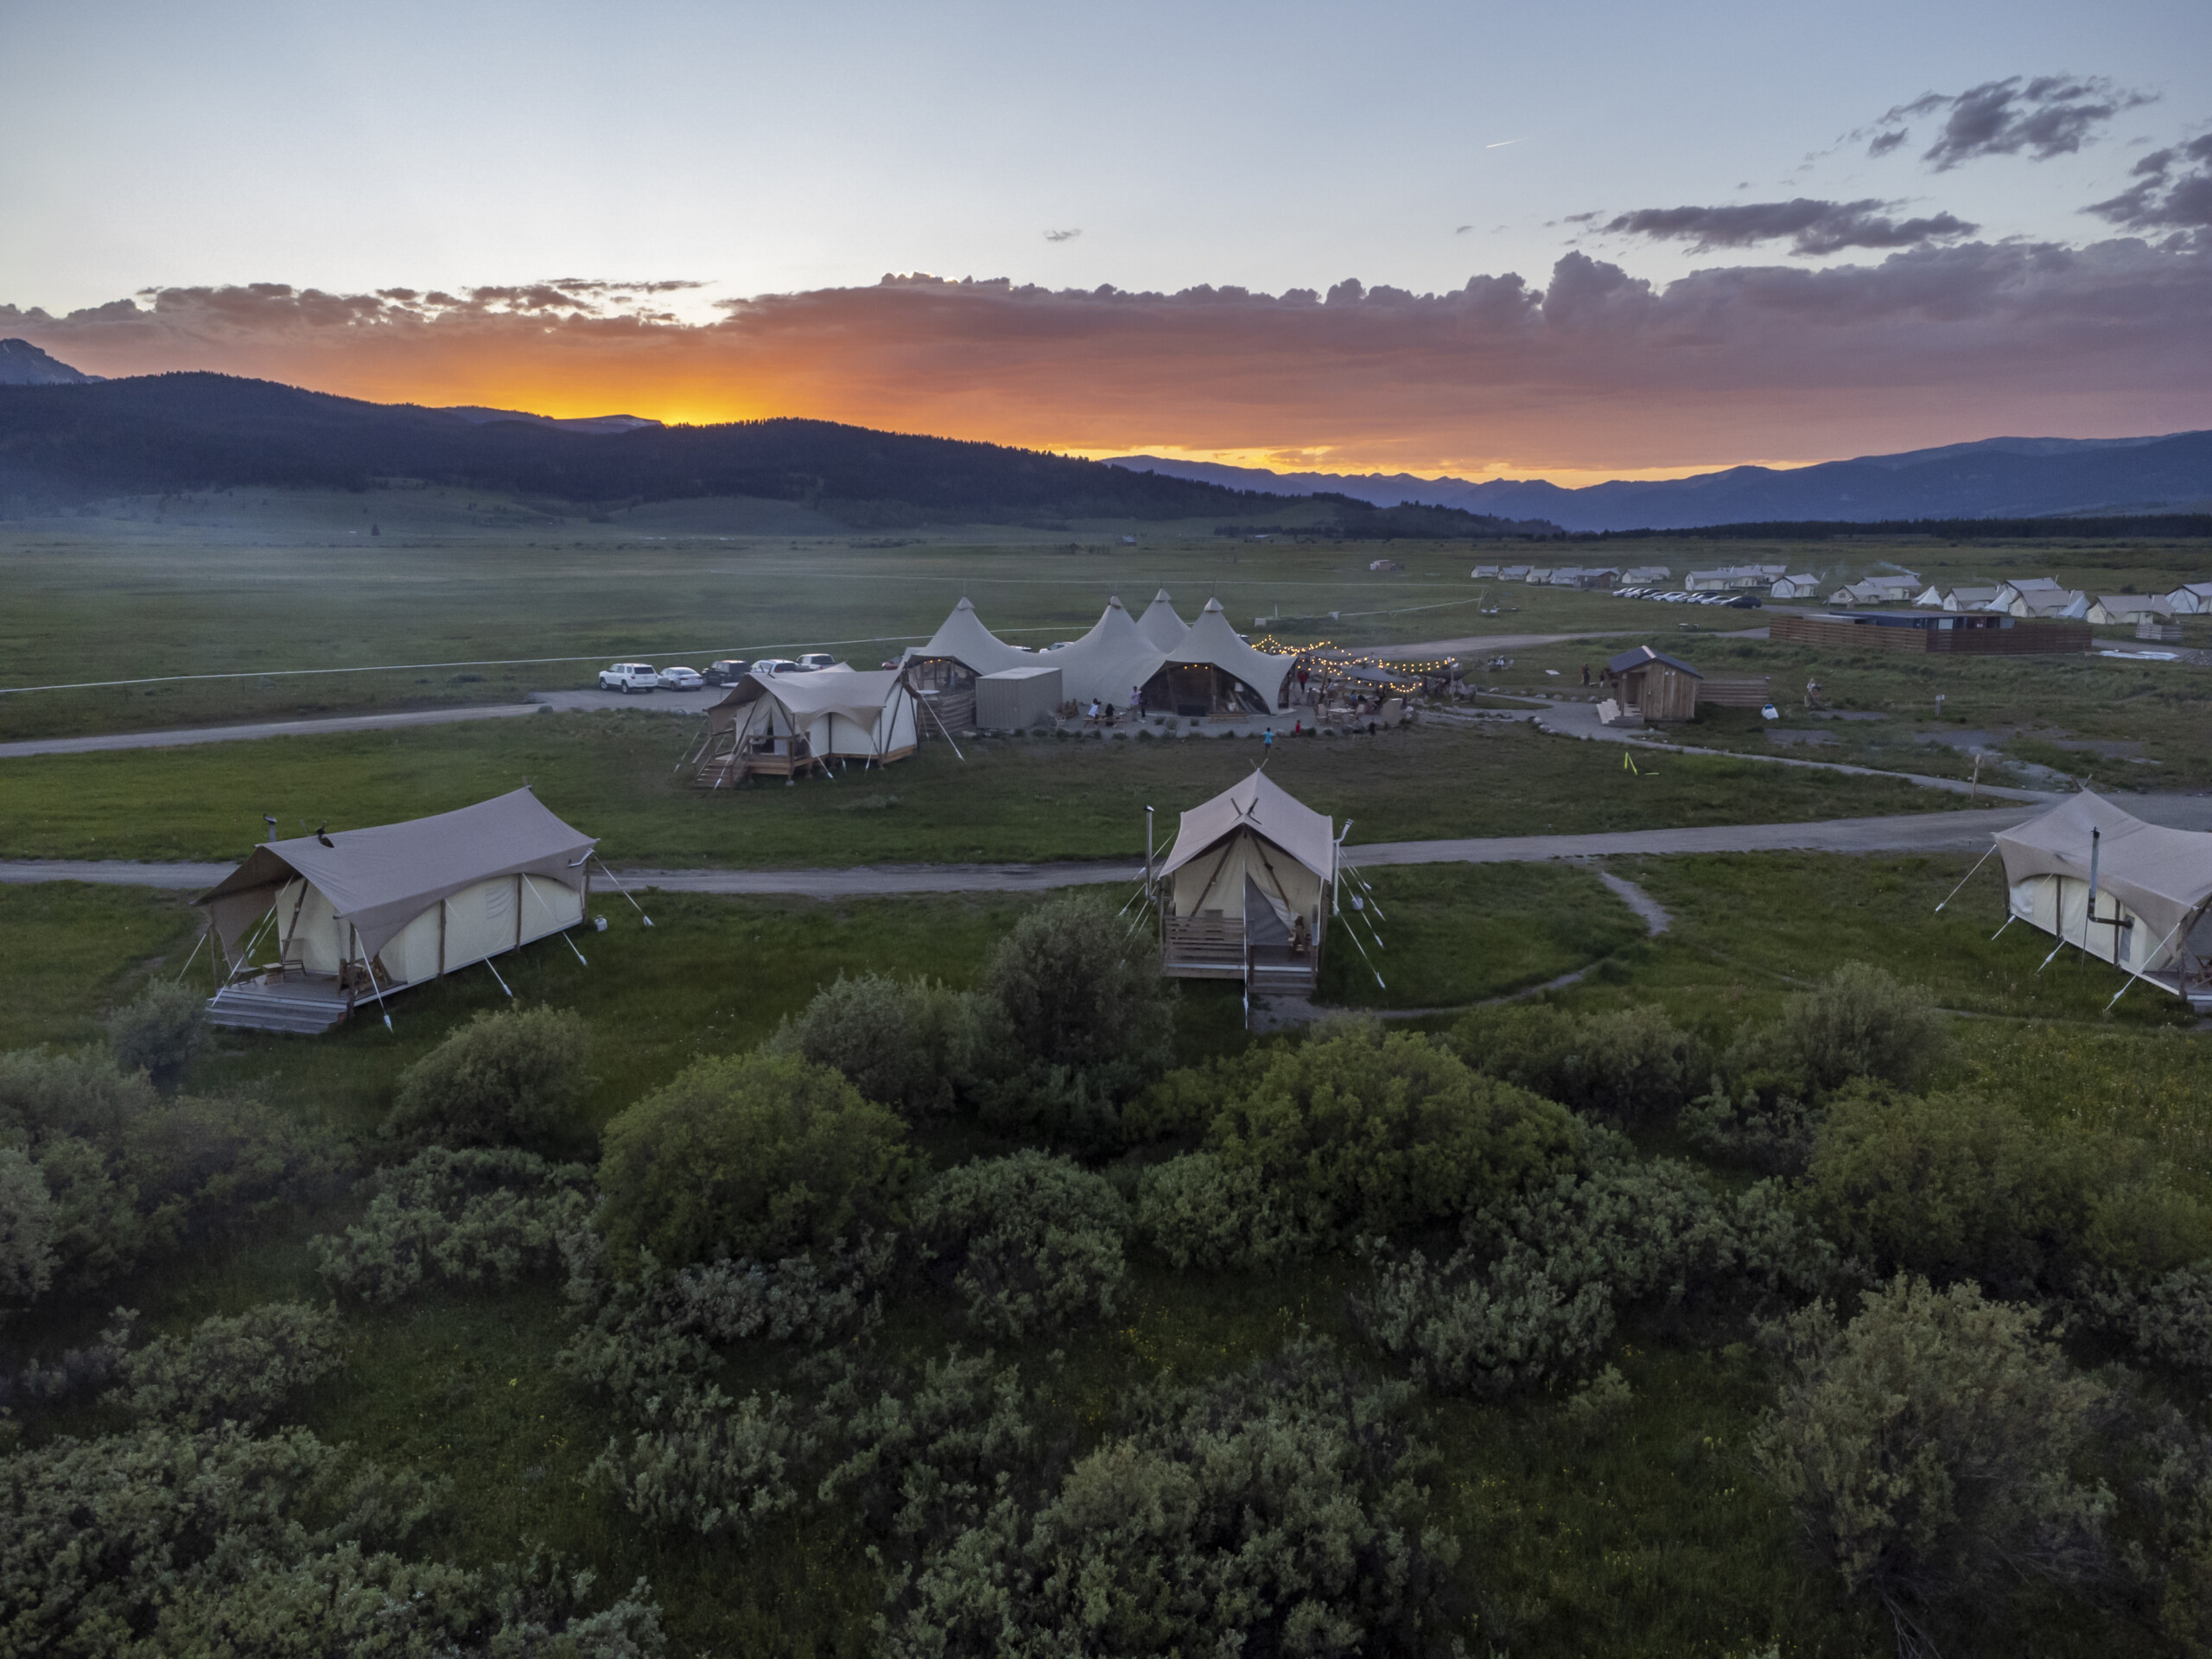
[(495, 974), (2009, 919)]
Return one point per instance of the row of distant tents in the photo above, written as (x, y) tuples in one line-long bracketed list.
[(784, 726), (306, 930), (2038, 597)]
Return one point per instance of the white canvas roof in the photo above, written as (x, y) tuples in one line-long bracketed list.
[(1110, 661), (381, 878), (1161, 624), (963, 638), (857, 695), (2163, 875), (1261, 805), (1213, 640)]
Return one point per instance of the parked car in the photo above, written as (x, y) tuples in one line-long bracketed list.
[(627, 677), (728, 672), (767, 668), (680, 678), (1747, 602), (813, 660)]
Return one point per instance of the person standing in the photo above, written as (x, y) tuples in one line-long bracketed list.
[(1268, 740), (1585, 673)]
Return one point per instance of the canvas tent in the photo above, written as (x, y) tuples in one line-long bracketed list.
[(796, 723), (1161, 624), (1214, 673), (362, 913), (2152, 891), (1245, 892)]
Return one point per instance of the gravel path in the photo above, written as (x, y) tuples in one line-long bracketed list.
[(1967, 832)]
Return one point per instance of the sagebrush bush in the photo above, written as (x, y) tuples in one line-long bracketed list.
[(512, 1078), (929, 1460), (1490, 1327), (1929, 1448), (1770, 1131), (45, 1091), (27, 1257), (1632, 1063), (1073, 1019), (159, 1030), (1274, 1511), (1956, 1186), (906, 1043), (764, 1156), (1361, 1132), (165, 1540), (1031, 1240), (715, 1467), (473, 1217), (1199, 1212), (1861, 1022), (239, 1370)]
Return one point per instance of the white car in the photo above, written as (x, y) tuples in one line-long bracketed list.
[(813, 661), (680, 678), (627, 677), (767, 668)]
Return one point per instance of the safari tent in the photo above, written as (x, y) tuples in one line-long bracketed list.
[(2126, 892), (796, 723), (1245, 892), (310, 925)]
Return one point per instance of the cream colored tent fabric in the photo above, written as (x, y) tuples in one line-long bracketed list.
[(1161, 625), (1213, 640), (843, 712), (1108, 663), (2160, 878), (961, 638), (1252, 838), (377, 881)]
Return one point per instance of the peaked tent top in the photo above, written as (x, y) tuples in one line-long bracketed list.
[(382, 878), (1260, 804), (1161, 624), (2163, 875), (1213, 640), (963, 638)]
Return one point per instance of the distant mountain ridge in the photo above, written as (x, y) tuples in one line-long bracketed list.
[(22, 363), (69, 444), (1992, 478)]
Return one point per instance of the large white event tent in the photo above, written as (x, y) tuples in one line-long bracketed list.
[(795, 723), (357, 913), (1201, 669), (2127, 892), (1245, 892)]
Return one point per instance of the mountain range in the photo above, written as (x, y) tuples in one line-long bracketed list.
[(1993, 478), (70, 443)]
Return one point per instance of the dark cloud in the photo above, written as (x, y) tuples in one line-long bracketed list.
[(1595, 368), (2172, 192), (1813, 226), (2047, 116)]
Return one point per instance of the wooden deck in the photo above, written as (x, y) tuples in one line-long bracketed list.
[(1213, 947), (301, 1004)]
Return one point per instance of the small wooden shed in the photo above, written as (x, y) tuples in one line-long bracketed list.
[(1653, 684)]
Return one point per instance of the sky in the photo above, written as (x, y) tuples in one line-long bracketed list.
[(1573, 241)]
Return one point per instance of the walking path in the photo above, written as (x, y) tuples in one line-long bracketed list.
[(1920, 832), (191, 735)]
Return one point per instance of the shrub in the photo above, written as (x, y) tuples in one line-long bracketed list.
[(1368, 1133), (1491, 1329), (1631, 1063), (716, 1466), (96, 1231), (1955, 1186), (471, 1218), (908, 1045), (1197, 1210), (1031, 1240), (159, 1030), (1591, 1410), (206, 1170), (926, 1463), (511, 1078), (1073, 1018), (1271, 1512), (1772, 1132), (84, 1094), (762, 1156), (167, 1540), (239, 1370), (26, 1258), (1862, 1023), (1927, 1446)]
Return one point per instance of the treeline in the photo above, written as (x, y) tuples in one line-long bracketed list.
[(2129, 526), (185, 433), (1353, 520)]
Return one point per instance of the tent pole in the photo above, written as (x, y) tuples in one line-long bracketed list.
[(2133, 974), (193, 957), (624, 890), (495, 974), (555, 915), (369, 969), (2009, 919), (1978, 863)]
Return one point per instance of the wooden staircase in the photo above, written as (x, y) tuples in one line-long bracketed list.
[(288, 1006)]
